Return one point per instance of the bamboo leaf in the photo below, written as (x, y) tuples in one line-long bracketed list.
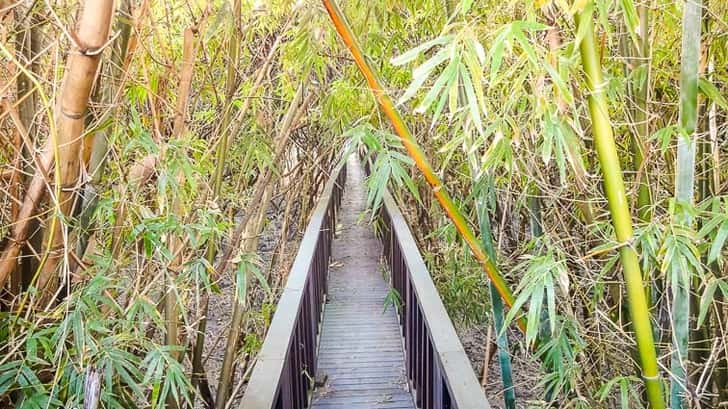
[(718, 242), (445, 78), (534, 313), (425, 69), (496, 52), (631, 20), (414, 52), (414, 86), (706, 300), (472, 100), (454, 91), (710, 91), (476, 75)]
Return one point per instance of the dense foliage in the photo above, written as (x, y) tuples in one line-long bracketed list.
[(582, 144)]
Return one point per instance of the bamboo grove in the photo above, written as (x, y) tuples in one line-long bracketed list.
[(560, 162)]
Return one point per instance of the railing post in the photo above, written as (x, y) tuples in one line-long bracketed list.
[(437, 388)]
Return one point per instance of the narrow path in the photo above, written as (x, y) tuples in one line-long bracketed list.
[(360, 349)]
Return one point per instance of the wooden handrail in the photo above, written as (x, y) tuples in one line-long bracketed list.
[(438, 369), (287, 360)]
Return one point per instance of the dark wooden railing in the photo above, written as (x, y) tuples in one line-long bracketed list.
[(286, 363), (438, 370)]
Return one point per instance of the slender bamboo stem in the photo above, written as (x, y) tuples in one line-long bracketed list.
[(171, 300), (222, 149), (618, 203), (684, 191), (504, 358), (416, 153), (641, 118)]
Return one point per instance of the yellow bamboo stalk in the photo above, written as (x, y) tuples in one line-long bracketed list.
[(416, 153)]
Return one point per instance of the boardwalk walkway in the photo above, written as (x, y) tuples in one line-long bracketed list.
[(361, 352)]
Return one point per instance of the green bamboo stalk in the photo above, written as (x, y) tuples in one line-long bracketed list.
[(483, 190), (618, 203), (418, 156), (684, 190), (504, 358), (641, 118)]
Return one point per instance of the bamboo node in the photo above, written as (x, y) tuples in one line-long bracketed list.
[(627, 243), (72, 115), (92, 51)]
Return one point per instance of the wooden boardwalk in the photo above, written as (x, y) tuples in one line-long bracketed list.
[(360, 351)]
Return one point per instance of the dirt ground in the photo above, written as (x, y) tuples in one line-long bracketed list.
[(528, 392)]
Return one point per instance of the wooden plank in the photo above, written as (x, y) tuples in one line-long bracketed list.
[(360, 350)]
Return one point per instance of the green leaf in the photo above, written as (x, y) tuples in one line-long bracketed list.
[(718, 242), (414, 52), (496, 52), (706, 300), (664, 136), (422, 73), (520, 37), (476, 74), (710, 91), (414, 86), (472, 100), (446, 77), (241, 282), (429, 65), (631, 20)]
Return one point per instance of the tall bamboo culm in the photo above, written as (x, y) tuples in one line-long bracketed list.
[(684, 189), (81, 69), (618, 204)]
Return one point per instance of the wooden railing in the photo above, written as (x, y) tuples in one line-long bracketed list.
[(438, 370), (286, 363)]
